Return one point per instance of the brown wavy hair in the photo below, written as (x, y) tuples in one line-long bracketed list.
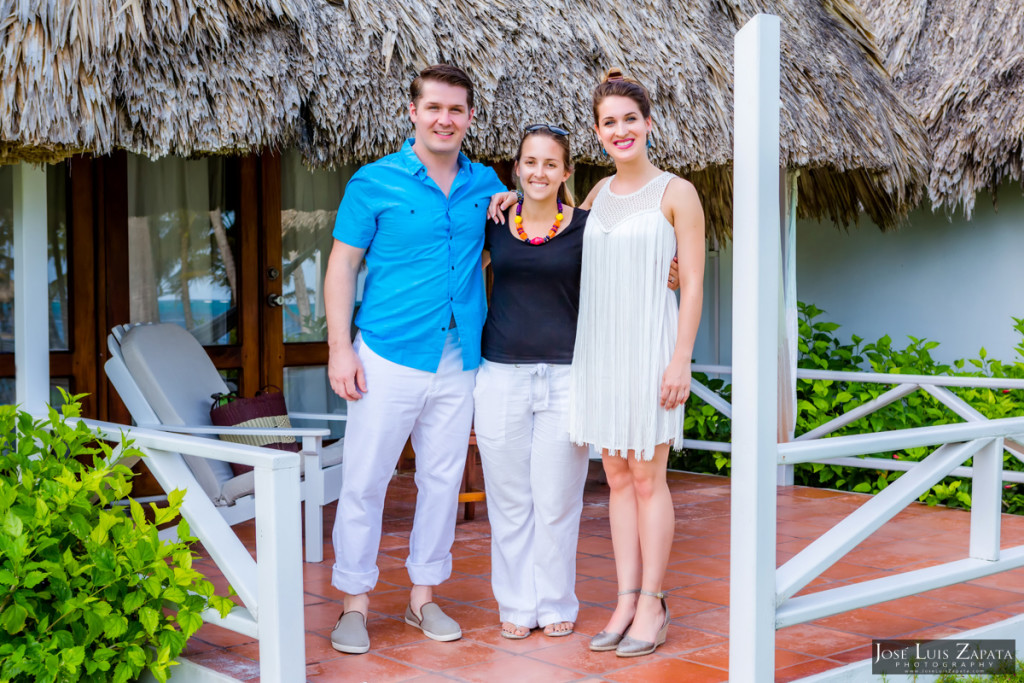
[(615, 84)]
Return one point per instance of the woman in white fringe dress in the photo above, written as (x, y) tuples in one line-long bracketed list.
[(630, 373)]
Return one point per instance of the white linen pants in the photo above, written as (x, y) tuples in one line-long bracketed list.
[(534, 478), (436, 410)]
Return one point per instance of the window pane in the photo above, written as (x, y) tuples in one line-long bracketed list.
[(306, 390), (181, 246), (56, 400), (57, 248), (309, 202), (57, 229)]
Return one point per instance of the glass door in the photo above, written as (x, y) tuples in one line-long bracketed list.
[(184, 246), (309, 204)]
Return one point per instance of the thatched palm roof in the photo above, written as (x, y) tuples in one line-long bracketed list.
[(961, 67), (182, 77)]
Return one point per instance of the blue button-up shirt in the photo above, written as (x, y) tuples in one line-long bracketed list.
[(422, 256)]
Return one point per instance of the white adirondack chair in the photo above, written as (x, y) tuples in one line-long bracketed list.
[(166, 380)]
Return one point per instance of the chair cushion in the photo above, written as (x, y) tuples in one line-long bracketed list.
[(173, 372), (177, 378), (332, 455), (245, 484)]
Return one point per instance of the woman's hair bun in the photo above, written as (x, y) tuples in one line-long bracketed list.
[(613, 74)]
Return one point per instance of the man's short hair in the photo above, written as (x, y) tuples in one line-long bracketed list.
[(443, 73)]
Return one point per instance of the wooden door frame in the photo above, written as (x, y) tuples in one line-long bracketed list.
[(99, 296), (79, 361), (277, 355)]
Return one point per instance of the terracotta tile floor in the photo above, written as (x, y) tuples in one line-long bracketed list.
[(697, 647)]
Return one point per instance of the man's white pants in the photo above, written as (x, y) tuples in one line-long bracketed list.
[(436, 410), (534, 477)]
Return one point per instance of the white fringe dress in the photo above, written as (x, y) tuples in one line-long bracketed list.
[(627, 325)]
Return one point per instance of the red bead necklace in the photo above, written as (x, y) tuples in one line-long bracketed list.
[(538, 240)]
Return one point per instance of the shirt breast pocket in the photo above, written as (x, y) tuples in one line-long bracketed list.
[(410, 233), (468, 226)]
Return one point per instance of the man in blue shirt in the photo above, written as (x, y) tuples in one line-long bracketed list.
[(417, 216)]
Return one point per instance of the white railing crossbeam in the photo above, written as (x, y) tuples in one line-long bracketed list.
[(709, 369), (916, 437), (802, 568), (697, 444), (971, 414), (711, 398), (825, 603), (854, 414), (239, 620), (891, 378), (907, 465)]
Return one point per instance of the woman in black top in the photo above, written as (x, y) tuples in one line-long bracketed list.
[(534, 475)]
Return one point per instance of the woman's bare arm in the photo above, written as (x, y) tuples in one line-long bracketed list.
[(687, 217)]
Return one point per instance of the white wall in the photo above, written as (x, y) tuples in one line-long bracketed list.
[(956, 282)]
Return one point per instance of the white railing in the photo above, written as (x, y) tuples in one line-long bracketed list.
[(270, 589), (904, 385), (761, 595)]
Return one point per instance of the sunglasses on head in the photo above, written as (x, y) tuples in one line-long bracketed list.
[(544, 126)]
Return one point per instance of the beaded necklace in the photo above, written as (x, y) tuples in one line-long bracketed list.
[(537, 240)]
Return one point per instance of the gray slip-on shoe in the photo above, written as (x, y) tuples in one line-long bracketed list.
[(349, 634), (434, 623)]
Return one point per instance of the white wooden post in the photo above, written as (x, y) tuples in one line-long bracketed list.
[(31, 282), (282, 633), (312, 447), (755, 350), (987, 501)]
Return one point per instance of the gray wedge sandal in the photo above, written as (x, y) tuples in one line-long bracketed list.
[(605, 641), (631, 647)]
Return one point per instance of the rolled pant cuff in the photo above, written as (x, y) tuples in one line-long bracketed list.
[(354, 583), (545, 619), (519, 618), (430, 573)]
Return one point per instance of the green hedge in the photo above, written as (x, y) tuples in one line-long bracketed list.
[(88, 590), (819, 401)]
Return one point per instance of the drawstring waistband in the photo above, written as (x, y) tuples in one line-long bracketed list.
[(539, 383)]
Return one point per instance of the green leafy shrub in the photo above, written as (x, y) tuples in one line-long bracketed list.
[(83, 584), (704, 423), (819, 401), (1016, 677)]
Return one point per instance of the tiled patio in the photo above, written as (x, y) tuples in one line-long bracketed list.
[(697, 581)]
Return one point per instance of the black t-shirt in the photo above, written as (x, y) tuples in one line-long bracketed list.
[(535, 299)]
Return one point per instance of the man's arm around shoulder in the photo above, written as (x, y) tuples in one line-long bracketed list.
[(344, 369)]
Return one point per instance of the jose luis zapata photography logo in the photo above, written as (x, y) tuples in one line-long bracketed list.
[(943, 656)]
